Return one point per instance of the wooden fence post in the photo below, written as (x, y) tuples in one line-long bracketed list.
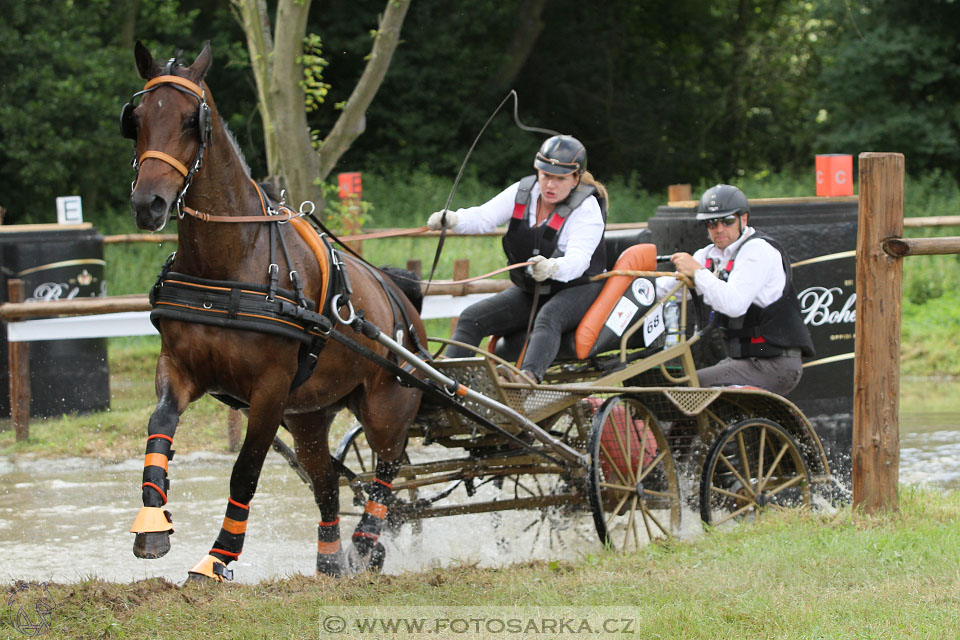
[(19, 364), (461, 271), (416, 266), (679, 193), (876, 430), (234, 430)]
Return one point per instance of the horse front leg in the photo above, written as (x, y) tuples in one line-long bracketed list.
[(154, 524), (262, 426)]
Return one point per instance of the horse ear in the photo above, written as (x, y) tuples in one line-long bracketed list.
[(145, 63), (200, 66)]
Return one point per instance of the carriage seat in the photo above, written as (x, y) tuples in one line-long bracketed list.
[(622, 301)]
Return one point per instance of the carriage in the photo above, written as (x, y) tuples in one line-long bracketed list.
[(258, 309), (626, 433)]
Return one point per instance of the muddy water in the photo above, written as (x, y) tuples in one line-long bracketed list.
[(67, 520)]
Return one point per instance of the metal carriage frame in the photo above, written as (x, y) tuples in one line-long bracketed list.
[(616, 436)]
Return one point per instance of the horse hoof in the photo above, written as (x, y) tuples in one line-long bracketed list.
[(151, 545), (330, 564), (367, 557)]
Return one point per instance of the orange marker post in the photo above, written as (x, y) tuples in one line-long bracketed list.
[(834, 175)]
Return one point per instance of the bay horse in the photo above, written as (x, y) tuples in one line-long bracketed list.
[(228, 263)]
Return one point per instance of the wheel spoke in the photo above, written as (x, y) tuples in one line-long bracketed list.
[(623, 450), (647, 512), (775, 462), (632, 526), (356, 450), (618, 487), (789, 483), (662, 494), (763, 438), (737, 496), (744, 458), (653, 463), (746, 485), (615, 511), (642, 439), (616, 469), (646, 523), (733, 514)]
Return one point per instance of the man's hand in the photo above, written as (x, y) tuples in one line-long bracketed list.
[(685, 264)]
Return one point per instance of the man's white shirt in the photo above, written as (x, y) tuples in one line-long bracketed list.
[(757, 277)]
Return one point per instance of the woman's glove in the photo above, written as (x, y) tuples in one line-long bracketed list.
[(436, 220), (542, 268)]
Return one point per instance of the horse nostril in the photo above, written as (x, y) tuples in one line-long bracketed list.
[(159, 206)]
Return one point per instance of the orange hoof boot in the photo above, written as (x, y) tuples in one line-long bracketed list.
[(210, 568), (153, 527)]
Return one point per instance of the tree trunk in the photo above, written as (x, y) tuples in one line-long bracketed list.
[(253, 17), (290, 153)]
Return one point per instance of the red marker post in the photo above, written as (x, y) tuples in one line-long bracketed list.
[(351, 191), (834, 175)]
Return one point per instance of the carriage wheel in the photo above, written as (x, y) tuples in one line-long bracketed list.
[(355, 454), (753, 466), (633, 488)]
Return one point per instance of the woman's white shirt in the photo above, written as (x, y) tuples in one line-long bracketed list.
[(578, 238)]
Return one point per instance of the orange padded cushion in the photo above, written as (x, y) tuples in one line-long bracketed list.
[(639, 257)]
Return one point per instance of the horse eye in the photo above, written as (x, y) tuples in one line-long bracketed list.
[(193, 122)]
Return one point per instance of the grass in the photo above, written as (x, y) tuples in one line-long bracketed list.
[(792, 576)]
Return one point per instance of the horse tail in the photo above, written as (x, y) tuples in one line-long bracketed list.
[(408, 283)]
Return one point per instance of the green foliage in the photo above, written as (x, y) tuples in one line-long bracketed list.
[(314, 88), (891, 81)]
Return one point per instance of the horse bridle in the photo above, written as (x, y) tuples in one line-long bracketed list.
[(128, 128)]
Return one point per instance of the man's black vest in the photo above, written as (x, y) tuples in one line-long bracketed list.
[(523, 241), (769, 331)]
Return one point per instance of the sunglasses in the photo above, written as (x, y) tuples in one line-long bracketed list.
[(728, 221)]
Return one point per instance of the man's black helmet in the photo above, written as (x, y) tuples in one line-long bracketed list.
[(561, 155), (720, 201)]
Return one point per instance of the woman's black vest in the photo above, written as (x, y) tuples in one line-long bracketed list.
[(523, 241), (769, 331)]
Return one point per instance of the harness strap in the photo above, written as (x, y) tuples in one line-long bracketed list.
[(171, 79), (170, 160)]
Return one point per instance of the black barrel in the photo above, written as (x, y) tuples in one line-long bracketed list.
[(57, 262), (821, 236)]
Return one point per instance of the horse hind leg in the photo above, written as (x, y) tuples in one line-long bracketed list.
[(368, 553)]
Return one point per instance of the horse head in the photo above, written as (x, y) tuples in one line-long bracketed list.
[(171, 127)]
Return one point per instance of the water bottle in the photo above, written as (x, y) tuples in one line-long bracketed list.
[(671, 321)]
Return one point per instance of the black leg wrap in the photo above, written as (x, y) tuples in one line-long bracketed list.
[(156, 484), (229, 543), (329, 553)]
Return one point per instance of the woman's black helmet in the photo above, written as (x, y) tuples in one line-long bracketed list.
[(721, 201), (561, 155)]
